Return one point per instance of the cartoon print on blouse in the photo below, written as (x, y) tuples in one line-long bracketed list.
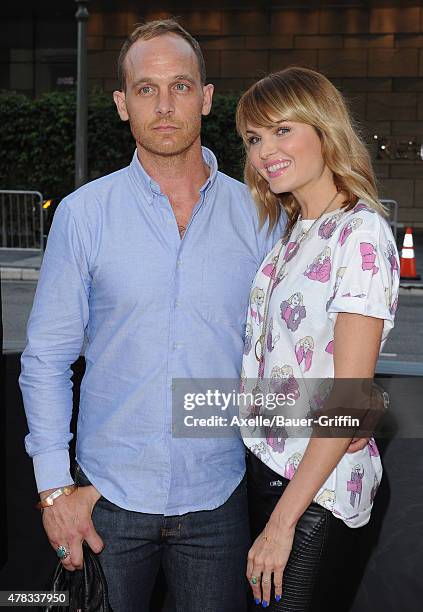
[(248, 341), (322, 393), (394, 307), (261, 366), (329, 347), (293, 311), (374, 489), (339, 274), (275, 438), (357, 295), (279, 277), (329, 225), (348, 229), (271, 340), (392, 258), (373, 449), (304, 352), (290, 385), (243, 381), (260, 451), (252, 412), (320, 268), (368, 257), (282, 380), (326, 499), (270, 268), (292, 464), (291, 250), (355, 485), (388, 297), (360, 206), (257, 301)]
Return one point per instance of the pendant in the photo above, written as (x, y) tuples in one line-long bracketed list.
[(259, 343)]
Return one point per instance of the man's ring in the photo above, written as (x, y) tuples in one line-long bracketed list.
[(266, 580), (253, 580), (62, 552)]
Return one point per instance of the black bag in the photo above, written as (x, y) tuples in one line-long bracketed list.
[(87, 587)]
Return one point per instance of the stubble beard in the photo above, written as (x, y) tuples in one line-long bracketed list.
[(180, 145)]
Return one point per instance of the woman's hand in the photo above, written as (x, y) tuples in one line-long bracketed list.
[(269, 555)]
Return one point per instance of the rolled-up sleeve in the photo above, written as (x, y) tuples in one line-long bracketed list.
[(55, 338), (367, 284)]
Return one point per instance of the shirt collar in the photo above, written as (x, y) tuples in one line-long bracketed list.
[(152, 189)]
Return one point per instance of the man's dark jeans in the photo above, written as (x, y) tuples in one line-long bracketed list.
[(203, 555)]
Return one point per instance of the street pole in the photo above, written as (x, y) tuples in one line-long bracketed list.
[(81, 166)]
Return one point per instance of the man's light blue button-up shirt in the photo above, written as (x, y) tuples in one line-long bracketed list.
[(152, 307)]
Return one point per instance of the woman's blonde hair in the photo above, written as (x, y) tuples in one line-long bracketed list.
[(303, 95)]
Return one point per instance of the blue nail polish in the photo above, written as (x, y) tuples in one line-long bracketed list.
[(257, 601), (264, 604), (277, 597)]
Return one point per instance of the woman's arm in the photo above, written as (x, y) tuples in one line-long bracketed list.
[(357, 341), (356, 348)]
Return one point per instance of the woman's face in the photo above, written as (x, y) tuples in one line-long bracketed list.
[(288, 156)]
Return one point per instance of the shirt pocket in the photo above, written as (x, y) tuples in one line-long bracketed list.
[(225, 289)]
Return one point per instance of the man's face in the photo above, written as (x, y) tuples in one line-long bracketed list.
[(164, 98)]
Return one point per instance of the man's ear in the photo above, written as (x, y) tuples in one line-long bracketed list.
[(207, 99), (120, 101)]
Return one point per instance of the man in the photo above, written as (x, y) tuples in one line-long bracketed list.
[(153, 265)]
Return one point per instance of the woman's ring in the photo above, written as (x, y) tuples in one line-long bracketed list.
[(62, 552), (253, 580)]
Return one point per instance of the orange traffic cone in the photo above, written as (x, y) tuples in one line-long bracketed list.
[(408, 259)]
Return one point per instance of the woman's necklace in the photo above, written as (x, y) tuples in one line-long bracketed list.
[(276, 277)]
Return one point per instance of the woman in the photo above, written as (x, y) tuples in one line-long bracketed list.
[(329, 288)]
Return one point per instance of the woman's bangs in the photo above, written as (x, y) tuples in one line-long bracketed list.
[(264, 107)]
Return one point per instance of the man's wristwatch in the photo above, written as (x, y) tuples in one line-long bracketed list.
[(49, 500)]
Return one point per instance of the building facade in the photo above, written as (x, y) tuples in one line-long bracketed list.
[(371, 50)]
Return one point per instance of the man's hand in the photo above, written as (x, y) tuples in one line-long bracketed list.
[(357, 444), (68, 523)]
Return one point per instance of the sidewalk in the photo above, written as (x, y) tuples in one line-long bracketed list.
[(22, 264), (19, 264)]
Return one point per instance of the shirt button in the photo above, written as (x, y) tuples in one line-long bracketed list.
[(179, 262), (177, 303)]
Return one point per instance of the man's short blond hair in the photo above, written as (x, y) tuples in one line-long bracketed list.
[(150, 30)]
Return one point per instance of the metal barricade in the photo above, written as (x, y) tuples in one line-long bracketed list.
[(21, 220), (392, 207)]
